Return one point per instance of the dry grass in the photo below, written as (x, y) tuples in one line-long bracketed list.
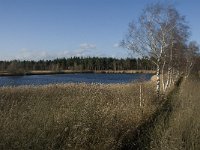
[(72, 116)]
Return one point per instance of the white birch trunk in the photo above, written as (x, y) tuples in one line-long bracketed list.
[(140, 95), (168, 79), (188, 70), (162, 77), (158, 82)]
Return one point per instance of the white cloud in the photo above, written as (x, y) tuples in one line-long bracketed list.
[(87, 46), (26, 54), (116, 45), (83, 50), (77, 53)]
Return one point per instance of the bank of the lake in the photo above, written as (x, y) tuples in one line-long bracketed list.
[(49, 72)]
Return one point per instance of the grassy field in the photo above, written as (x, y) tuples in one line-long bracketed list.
[(73, 116)]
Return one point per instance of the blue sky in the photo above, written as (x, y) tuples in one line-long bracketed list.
[(46, 29)]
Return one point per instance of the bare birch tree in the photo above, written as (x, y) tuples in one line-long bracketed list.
[(153, 34)]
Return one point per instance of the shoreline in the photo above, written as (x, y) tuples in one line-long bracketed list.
[(49, 72)]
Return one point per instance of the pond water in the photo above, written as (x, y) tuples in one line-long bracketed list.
[(72, 78)]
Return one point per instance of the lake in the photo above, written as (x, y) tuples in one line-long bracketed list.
[(72, 78)]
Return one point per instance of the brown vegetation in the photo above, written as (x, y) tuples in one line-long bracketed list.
[(72, 116)]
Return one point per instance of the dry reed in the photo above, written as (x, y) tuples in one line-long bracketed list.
[(72, 116)]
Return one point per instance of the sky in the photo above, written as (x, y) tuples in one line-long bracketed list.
[(48, 29)]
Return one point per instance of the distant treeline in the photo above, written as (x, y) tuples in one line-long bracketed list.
[(78, 63)]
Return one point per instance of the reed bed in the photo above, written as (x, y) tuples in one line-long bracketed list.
[(72, 116)]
